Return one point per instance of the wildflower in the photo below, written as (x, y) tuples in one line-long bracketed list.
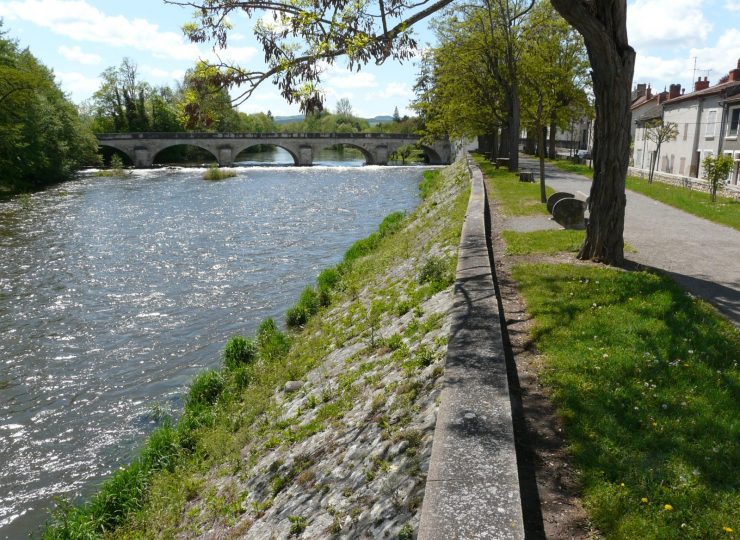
[(727, 529), (644, 500), (668, 507), (655, 424), (621, 485)]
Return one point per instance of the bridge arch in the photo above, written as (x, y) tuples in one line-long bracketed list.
[(367, 154), (431, 154), (241, 148), (162, 147)]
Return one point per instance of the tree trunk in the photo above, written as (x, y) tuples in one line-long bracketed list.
[(603, 25), (503, 147), (552, 150), (541, 151), (514, 129)]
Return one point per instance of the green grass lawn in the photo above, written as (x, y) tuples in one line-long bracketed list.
[(646, 381), (725, 211), (545, 242), (516, 198)]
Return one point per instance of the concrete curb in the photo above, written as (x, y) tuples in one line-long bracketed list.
[(472, 488)]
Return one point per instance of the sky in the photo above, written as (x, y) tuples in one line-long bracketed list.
[(80, 38)]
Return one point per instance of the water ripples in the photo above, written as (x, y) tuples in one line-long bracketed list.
[(115, 292)]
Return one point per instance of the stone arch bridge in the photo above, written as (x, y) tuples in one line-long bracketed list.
[(142, 148)]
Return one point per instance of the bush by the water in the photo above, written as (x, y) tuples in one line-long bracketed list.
[(239, 351), (214, 173), (306, 307)]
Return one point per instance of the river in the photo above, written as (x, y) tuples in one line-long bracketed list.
[(114, 292)]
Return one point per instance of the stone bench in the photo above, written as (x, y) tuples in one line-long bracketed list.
[(568, 209)]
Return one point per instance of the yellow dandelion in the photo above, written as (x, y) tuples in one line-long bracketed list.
[(668, 507), (621, 485), (727, 529), (644, 499)]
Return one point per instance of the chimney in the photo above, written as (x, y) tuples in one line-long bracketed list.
[(648, 93), (735, 73), (641, 89), (675, 91), (662, 96), (701, 84)]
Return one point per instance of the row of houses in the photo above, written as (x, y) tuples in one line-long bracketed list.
[(707, 121)]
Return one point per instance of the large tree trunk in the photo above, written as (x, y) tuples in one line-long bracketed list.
[(603, 25), (503, 148)]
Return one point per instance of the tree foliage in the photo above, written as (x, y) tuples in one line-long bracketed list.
[(659, 132), (716, 170), (42, 139), (300, 38)]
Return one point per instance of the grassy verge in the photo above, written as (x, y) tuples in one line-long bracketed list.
[(544, 242), (577, 168), (516, 198), (725, 211), (646, 381), (232, 408)]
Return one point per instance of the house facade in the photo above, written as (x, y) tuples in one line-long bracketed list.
[(704, 119)]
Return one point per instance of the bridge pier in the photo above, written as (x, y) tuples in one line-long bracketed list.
[(305, 156), (142, 157), (380, 155), (225, 156)]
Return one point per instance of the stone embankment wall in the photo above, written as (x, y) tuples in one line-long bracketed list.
[(375, 396), (686, 182)]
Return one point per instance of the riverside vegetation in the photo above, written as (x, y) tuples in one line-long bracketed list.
[(644, 378), (322, 430)]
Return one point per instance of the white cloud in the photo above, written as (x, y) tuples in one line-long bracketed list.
[(77, 84), (721, 58), (652, 23), (162, 74), (396, 89), (654, 69), (348, 80), (232, 55), (79, 20), (76, 54), (732, 5)]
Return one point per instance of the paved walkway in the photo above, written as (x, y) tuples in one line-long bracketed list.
[(700, 255)]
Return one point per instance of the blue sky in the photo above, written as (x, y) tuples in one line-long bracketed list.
[(80, 38)]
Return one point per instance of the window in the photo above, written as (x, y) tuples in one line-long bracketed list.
[(638, 159), (682, 166), (711, 119), (734, 121), (685, 131)]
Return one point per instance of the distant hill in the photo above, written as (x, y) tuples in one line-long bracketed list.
[(383, 119), (288, 119)]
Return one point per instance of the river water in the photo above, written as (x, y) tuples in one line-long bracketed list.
[(114, 292)]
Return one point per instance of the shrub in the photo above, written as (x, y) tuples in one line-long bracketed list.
[(214, 173), (206, 388), (327, 281), (301, 312), (272, 343), (391, 224), (239, 351), (435, 270)]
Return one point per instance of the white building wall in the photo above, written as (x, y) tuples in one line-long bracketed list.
[(681, 151), (709, 130)]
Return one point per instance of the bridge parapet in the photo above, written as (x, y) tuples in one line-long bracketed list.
[(142, 147)]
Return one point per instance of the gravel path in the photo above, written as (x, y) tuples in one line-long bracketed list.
[(700, 255)]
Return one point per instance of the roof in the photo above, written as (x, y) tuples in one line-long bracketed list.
[(716, 89), (646, 109)]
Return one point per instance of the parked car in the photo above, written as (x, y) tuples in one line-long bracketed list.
[(583, 154)]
